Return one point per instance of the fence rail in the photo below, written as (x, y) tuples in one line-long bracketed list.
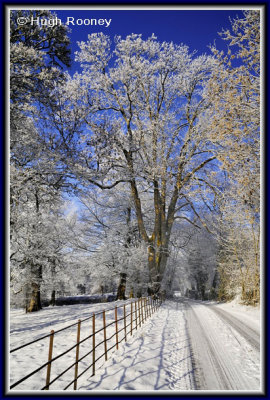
[(115, 324)]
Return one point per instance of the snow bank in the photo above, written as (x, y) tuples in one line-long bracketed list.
[(250, 315)]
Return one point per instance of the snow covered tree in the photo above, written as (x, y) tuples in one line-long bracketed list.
[(35, 234), (37, 55), (202, 263), (133, 116), (235, 113), (106, 236), (238, 260), (234, 119)]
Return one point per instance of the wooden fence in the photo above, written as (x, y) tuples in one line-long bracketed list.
[(122, 322)]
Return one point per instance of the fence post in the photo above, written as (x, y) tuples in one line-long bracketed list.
[(105, 338), (49, 360), (145, 308), (136, 314), (93, 344), (116, 328), (125, 323), (131, 317), (142, 308), (77, 354)]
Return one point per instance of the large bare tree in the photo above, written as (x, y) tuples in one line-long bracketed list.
[(133, 116)]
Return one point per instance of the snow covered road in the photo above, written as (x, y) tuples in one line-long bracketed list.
[(224, 358), (250, 334), (186, 346)]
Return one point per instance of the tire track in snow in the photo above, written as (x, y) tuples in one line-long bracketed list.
[(180, 371), (217, 364), (248, 333), (214, 376)]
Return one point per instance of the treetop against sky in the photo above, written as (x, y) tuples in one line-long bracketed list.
[(195, 28)]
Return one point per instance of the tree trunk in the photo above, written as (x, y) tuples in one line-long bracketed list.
[(53, 266), (121, 291), (52, 301), (34, 300), (157, 259), (158, 242)]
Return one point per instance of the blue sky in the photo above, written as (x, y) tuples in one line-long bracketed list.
[(195, 28)]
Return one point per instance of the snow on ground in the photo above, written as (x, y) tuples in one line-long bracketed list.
[(184, 346), (225, 359), (25, 328), (248, 314), (158, 357)]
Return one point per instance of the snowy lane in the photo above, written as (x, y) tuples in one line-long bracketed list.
[(225, 360), (252, 336), (157, 357), (185, 346)]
